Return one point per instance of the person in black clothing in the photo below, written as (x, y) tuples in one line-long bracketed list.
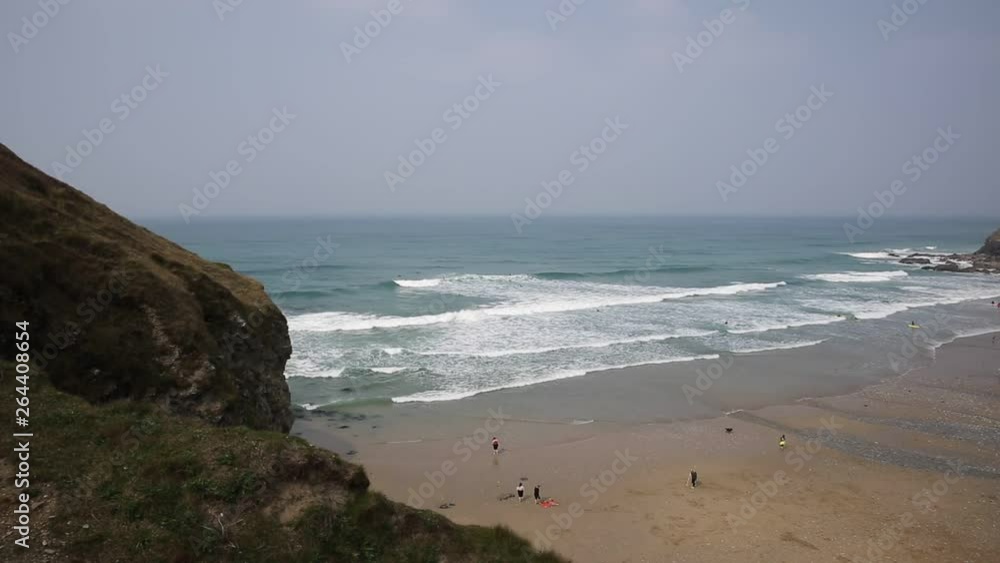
[(694, 478), (538, 494)]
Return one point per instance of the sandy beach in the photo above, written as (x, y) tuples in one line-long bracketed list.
[(877, 467)]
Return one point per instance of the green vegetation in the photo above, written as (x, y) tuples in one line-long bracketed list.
[(156, 429), (118, 312), (126, 482)]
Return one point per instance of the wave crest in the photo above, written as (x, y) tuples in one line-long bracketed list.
[(341, 321), (856, 277)]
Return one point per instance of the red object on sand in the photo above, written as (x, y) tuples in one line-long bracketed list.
[(548, 503)]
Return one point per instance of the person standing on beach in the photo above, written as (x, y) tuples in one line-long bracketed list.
[(781, 442), (520, 492), (496, 445), (538, 494), (694, 478)]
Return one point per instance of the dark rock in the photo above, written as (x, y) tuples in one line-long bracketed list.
[(138, 317), (991, 247), (915, 261)]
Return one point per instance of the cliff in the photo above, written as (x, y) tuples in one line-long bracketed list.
[(992, 246), (119, 312), (159, 410), (986, 260)]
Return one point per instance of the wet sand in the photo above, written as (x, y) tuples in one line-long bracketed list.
[(901, 468)]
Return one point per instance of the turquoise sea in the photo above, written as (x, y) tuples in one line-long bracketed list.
[(432, 309)]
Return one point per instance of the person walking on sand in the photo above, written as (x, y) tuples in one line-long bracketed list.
[(520, 492), (538, 493), (694, 478), (781, 442), (496, 445)]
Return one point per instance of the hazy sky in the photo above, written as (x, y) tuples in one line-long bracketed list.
[(198, 81)]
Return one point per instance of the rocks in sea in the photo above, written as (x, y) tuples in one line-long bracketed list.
[(986, 260), (948, 266), (992, 246)]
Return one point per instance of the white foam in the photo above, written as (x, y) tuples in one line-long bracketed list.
[(418, 283), (542, 350), (783, 346), (785, 326), (870, 255), (301, 365), (392, 351), (342, 321), (327, 373), (387, 370), (857, 277), (454, 395)]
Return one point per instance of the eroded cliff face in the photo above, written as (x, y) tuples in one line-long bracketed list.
[(991, 247), (119, 312)]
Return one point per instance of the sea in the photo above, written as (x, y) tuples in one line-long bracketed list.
[(425, 309)]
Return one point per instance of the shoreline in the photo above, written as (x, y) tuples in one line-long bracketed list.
[(899, 430), (933, 317)]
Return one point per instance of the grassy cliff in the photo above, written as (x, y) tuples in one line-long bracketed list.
[(127, 482), (159, 409), (120, 312)]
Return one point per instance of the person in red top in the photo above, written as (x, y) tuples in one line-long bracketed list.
[(496, 445)]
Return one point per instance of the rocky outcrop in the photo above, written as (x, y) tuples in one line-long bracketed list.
[(986, 260), (117, 312), (991, 248)]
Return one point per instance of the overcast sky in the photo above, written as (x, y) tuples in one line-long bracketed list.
[(200, 80)]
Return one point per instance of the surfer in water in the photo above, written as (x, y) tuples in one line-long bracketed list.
[(496, 445), (520, 492)]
